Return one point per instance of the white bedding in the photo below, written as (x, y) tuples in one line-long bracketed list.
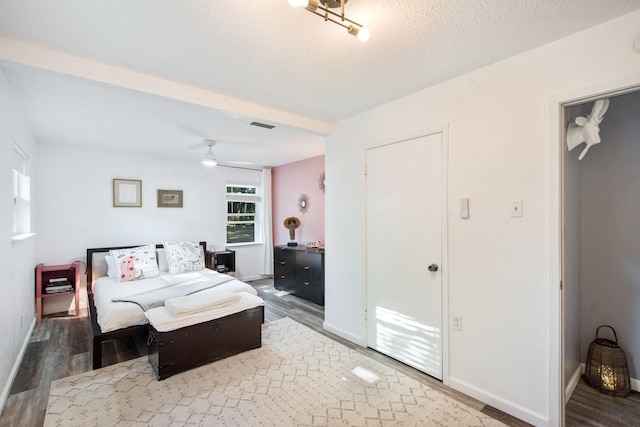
[(164, 321), (119, 315)]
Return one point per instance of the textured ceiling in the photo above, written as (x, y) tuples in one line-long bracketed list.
[(270, 54)]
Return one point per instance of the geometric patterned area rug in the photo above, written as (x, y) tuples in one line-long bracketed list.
[(297, 378)]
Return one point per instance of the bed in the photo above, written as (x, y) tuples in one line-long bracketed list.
[(115, 319)]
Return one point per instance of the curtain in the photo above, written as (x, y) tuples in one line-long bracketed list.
[(267, 222)]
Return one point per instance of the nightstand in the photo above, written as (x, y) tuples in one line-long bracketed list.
[(57, 280), (222, 261)]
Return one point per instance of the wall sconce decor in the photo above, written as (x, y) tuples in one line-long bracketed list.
[(303, 203), (587, 129)]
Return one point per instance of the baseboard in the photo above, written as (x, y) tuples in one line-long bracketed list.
[(499, 403), (573, 382), (16, 367), (344, 334)]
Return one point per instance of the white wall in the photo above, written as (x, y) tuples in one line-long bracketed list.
[(611, 230), (17, 259), (499, 268), (77, 211)]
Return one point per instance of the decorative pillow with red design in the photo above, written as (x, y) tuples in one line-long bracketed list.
[(135, 263)]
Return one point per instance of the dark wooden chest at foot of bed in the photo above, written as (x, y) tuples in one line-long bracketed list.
[(196, 345)]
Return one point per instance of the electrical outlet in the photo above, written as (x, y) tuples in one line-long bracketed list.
[(457, 323)]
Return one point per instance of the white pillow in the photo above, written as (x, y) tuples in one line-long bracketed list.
[(163, 262), (135, 263), (111, 266), (183, 256)]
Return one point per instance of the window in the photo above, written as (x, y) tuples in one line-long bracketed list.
[(21, 192), (242, 208)]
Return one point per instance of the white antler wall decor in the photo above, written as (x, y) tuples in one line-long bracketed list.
[(587, 129)]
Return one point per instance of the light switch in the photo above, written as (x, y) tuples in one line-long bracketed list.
[(516, 208), (464, 207)]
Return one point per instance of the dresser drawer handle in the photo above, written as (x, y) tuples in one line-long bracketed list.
[(282, 277), (307, 283), (282, 262), (306, 268)]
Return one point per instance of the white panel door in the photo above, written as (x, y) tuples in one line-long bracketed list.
[(404, 238)]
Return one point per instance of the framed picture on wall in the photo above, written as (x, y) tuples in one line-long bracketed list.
[(127, 193), (169, 198)]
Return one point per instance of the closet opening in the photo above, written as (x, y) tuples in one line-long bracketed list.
[(601, 250)]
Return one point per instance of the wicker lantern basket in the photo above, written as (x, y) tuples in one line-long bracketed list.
[(607, 368)]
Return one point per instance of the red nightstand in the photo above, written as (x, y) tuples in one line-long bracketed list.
[(56, 280)]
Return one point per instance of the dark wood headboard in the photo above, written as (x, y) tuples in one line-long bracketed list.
[(94, 251)]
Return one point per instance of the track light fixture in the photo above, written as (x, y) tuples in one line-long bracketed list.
[(352, 27), (210, 158)]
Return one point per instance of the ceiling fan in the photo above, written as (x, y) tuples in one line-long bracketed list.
[(210, 159)]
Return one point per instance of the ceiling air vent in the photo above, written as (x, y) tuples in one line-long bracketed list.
[(262, 125)]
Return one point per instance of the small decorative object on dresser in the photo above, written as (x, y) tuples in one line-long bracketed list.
[(291, 224), (56, 280), (300, 271)]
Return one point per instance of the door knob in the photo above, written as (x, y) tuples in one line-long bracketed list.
[(433, 267)]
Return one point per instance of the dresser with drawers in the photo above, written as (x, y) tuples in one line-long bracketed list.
[(300, 271)]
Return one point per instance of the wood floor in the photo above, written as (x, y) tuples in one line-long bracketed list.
[(589, 407), (61, 346)]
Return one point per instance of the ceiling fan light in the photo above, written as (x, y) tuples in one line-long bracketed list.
[(209, 161), (210, 158)]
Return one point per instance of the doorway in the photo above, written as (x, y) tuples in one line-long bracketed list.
[(600, 253), (405, 198)]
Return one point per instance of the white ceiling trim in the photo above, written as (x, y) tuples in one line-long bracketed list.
[(51, 60)]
